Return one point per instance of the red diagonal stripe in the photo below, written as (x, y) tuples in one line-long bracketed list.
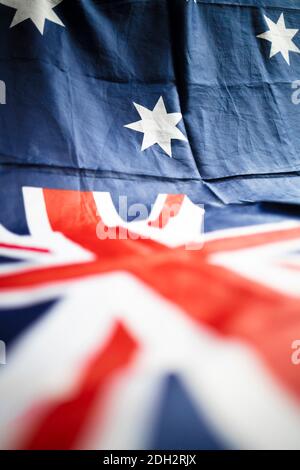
[(75, 214), (63, 422), (24, 248)]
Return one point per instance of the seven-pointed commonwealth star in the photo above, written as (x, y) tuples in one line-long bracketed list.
[(37, 11), (158, 126), (280, 37)]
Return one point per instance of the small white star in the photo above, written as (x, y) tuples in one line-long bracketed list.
[(37, 11), (280, 37), (158, 126)]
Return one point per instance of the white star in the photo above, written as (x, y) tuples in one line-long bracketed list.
[(158, 126), (280, 37), (37, 11)]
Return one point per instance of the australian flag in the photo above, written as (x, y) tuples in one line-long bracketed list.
[(149, 224)]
